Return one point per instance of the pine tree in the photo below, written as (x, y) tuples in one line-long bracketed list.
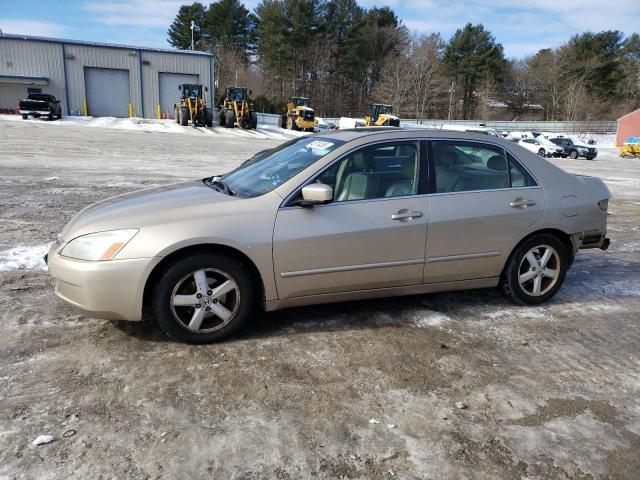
[(180, 30), (472, 54)]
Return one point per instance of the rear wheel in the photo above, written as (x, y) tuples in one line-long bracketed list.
[(229, 119), (208, 118), (221, 119), (25, 116), (282, 121), (536, 270), (203, 298), (245, 123), (253, 116), (184, 116)]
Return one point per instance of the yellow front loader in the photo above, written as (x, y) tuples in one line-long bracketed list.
[(192, 106), (381, 116), (236, 110), (299, 115)]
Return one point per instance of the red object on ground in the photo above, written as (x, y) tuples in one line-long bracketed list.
[(628, 126)]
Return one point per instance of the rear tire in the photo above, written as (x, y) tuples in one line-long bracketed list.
[(184, 116), (24, 116), (221, 119), (208, 118), (530, 284), (282, 121), (253, 116), (230, 119), (214, 317)]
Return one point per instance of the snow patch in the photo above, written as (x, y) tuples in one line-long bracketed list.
[(24, 258), (430, 319)]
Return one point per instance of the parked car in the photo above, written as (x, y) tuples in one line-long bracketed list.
[(332, 217), (40, 105), (575, 149), (542, 147)]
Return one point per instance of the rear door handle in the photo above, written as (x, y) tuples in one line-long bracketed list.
[(406, 215), (522, 203)]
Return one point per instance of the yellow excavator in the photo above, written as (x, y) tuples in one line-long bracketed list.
[(299, 115), (192, 106), (381, 116), (236, 110)]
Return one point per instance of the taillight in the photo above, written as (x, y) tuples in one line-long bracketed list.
[(604, 204)]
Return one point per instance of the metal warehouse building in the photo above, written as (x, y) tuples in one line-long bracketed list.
[(99, 79)]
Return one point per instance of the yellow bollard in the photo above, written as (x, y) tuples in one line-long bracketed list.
[(130, 110), (84, 108), (159, 116)]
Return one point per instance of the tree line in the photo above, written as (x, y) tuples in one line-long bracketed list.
[(345, 57)]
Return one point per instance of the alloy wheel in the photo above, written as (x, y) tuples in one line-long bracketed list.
[(539, 270), (205, 300)]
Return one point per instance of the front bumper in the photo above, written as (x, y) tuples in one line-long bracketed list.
[(35, 112), (111, 289)]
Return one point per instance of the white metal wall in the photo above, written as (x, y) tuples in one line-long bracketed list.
[(154, 63), (169, 93), (47, 58), (33, 59)]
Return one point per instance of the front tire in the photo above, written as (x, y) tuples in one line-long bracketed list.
[(541, 152), (229, 119), (203, 298), (573, 155), (536, 270), (184, 116)]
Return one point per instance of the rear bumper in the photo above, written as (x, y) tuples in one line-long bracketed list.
[(111, 289)]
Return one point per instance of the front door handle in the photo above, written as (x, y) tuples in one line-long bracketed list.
[(522, 203), (405, 214)]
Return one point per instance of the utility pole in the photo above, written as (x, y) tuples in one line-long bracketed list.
[(193, 24), (452, 90)]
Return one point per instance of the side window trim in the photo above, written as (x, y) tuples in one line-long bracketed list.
[(422, 158)]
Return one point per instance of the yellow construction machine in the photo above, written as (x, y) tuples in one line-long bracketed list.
[(192, 106), (381, 116), (299, 115), (236, 109)]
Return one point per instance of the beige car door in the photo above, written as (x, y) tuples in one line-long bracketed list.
[(372, 235), (481, 202)]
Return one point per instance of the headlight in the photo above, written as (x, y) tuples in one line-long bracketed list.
[(98, 246)]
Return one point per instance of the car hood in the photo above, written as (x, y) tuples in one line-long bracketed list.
[(144, 207)]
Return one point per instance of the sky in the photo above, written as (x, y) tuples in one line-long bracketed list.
[(522, 27)]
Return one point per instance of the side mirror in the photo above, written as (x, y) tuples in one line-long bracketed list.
[(316, 194)]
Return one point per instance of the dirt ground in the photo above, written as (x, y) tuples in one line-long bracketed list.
[(362, 390)]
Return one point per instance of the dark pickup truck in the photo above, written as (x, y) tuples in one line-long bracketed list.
[(40, 105)]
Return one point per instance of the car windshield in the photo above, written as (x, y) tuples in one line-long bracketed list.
[(301, 102), (267, 171)]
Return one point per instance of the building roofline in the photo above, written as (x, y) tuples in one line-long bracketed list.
[(64, 41), (630, 113)]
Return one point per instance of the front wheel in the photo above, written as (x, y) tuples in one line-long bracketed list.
[(203, 298), (184, 116), (536, 270), (573, 155), (541, 152)]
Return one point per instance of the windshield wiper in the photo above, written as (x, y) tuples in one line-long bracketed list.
[(220, 186)]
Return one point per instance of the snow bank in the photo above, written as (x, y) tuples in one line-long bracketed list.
[(24, 258), (264, 131)]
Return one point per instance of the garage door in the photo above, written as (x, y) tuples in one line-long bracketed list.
[(107, 92), (169, 93)]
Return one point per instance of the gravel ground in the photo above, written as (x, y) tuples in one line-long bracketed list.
[(362, 390)]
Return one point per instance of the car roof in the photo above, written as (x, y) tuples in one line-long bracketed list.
[(390, 133)]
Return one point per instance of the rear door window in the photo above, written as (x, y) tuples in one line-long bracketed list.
[(465, 166)]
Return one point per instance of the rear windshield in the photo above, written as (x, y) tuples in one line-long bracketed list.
[(267, 171)]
